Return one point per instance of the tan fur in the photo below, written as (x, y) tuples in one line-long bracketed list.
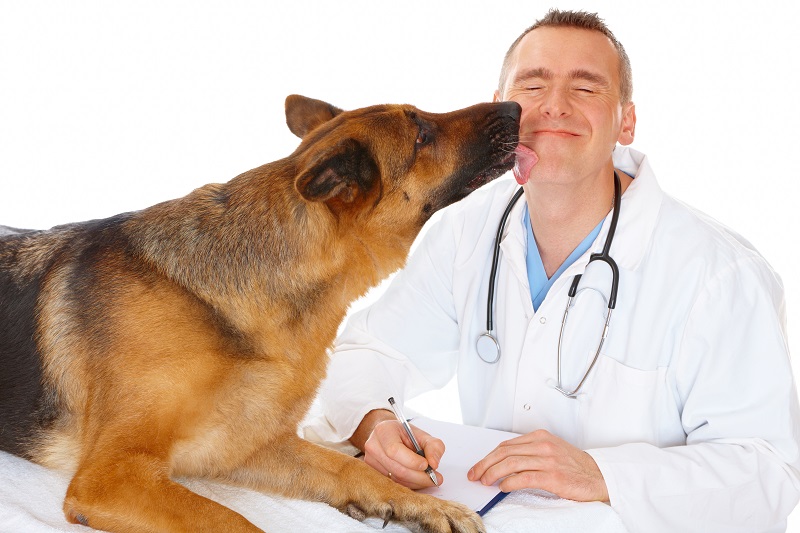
[(188, 339)]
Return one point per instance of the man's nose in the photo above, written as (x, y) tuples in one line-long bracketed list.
[(555, 103)]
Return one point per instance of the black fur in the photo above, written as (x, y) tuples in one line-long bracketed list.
[(22, 409), (27, 404)]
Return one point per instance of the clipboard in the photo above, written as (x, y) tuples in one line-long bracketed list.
[(464, 446)]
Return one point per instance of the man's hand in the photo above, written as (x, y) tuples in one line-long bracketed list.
[(540, 460), (388, 449)]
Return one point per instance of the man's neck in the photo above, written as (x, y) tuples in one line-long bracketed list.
[(563, 215)]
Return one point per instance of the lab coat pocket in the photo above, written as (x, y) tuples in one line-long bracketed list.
[(620, 404)]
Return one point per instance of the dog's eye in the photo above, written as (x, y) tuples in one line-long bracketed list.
[(423, 137)]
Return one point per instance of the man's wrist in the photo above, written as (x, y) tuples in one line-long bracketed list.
[(367, 425)]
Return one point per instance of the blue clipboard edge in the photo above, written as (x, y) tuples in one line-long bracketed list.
[(488, 506)]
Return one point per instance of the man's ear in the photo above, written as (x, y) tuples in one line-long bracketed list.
[(628, 126), (304, 114), (343, 172)]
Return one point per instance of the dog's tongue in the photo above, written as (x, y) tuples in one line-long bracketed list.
[(526, 158)]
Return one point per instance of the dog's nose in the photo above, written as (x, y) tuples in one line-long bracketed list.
[(510, 109)]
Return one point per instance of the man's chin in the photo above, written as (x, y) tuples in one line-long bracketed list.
[(553, 170)]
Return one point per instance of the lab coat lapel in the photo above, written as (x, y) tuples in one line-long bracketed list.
[(513, 245), (639, 210)]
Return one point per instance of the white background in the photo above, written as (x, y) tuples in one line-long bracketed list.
[(108, 107)]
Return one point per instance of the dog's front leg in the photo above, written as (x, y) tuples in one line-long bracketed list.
[(132, 492), (296, 468)]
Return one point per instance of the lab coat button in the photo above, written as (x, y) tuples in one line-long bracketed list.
[(527, 407), (543, 320)]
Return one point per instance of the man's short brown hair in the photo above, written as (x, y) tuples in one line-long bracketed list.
[(582, 20)]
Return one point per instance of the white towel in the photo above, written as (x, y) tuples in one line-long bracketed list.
[(31, 498)]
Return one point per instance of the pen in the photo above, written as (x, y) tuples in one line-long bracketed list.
[(404, 422)]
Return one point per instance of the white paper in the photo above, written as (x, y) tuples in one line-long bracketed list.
[(464, 446)]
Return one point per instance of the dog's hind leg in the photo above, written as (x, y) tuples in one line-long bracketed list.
[(297, 468), (133, 492)]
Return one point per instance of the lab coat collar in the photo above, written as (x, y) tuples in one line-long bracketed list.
[(639, 210), (641, 204)]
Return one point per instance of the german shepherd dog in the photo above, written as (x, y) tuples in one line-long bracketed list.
[(188, 339)]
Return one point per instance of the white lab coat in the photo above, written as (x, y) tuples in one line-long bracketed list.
[(691, 411)]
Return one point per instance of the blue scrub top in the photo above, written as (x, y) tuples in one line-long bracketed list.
[(537, 278)]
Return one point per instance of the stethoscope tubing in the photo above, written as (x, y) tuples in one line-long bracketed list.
[(488, 339), (496, 259)]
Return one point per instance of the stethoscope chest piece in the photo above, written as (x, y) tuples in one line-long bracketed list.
[(488, 348)]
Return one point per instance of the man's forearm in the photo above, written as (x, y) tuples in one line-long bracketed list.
[(368, 423)]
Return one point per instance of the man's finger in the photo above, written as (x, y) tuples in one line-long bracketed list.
[(398, 451), (528, 479), (413, 479), (434, 448), (502, 453), (512, 465)]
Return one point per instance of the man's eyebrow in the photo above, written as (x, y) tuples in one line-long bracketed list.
[(531, 73), (587, 75)]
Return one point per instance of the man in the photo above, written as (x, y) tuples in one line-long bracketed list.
[(686, 418)]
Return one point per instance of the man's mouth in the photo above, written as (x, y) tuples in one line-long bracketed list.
[(559, 133)]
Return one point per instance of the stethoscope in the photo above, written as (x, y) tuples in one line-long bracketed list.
[(487, 346)]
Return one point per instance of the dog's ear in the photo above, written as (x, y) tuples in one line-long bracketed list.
[(341, 173), (304, 114)]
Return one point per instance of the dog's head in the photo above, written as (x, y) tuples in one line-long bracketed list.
[(397, 164), (430, 160)]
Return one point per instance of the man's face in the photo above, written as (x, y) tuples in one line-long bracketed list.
[(567, 82)]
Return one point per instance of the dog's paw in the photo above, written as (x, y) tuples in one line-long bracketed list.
[(353, 511), (426, 514)]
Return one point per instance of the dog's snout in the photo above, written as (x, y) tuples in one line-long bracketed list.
[(510, 109)]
